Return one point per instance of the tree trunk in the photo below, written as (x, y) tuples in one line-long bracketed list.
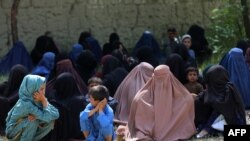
[(14, 11), (245, 17)]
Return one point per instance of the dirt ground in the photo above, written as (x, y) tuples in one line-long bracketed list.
[(220, 138)]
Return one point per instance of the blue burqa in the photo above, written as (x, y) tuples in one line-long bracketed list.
[(234, 62), (17, 55)]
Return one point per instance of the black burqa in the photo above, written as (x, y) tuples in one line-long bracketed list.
[(69, 103), (222, 96), (86, 64), (9, 91), (43, 44)]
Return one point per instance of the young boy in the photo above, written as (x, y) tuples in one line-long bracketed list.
[(94, 81), (96, 120), (193, 85), (187, 41)]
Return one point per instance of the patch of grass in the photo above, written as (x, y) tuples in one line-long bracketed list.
[(3, 78)]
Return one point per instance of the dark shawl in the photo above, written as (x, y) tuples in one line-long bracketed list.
[(113, 79), (67, 66), (109, 63), (86, 64), (146, 54), (69, 104), (182, 50), (43, 44), (199, 42), (177, 66), (95, 47), (148, 40), (223, 97), (9, 90)]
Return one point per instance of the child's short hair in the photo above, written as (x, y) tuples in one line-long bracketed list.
[(99, 92), (192, 69), (172, 29), (95, 80)]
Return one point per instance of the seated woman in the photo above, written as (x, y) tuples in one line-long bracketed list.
[(220, 98), (45, 65), (69, 102), (127, 90), (162, 110), (9, 92)]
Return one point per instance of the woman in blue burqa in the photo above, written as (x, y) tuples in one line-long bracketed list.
[(32, 117)]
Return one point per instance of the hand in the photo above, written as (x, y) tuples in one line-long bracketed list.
[(121, 130), (102, 104), (194, 95), (31, 117), (39, 97)]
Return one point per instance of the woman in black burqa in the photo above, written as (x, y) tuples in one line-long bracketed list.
[(220, 98)]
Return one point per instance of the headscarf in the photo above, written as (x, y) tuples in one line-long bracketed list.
[(127, 90), (30, 84), (163, 110)]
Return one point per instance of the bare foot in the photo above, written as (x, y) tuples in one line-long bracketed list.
[(202, 134)]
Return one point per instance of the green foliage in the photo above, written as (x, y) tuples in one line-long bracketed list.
[(3, 78), (226, 29)]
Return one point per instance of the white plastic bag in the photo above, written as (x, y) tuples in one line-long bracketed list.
[(219, 123)]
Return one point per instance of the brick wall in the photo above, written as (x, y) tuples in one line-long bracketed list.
[(129, 18)]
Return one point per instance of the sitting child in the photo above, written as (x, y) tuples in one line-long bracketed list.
[(32, 117), (97, 118), (193, 85), (94, 81)]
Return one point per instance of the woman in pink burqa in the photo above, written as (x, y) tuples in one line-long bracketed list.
[(163, 110), (127, 90)]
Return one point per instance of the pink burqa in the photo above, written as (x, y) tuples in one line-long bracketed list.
[(126, 91), (163, 110)]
